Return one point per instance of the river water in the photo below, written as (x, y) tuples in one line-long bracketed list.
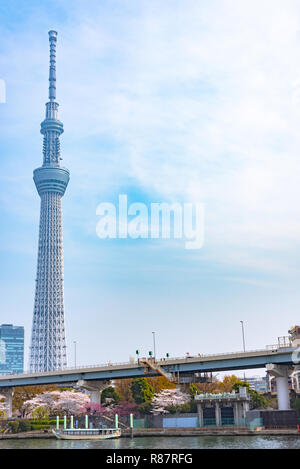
[(189, 442)]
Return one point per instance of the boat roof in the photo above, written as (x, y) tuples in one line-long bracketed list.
[(88, 429)]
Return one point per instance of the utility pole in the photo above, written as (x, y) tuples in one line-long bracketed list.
[(154, 346), (244, 348), (75, 351)]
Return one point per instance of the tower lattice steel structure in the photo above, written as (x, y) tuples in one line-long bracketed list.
[(48, 345)]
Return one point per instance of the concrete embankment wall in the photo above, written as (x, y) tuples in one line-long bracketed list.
[(275, 418), (171, 432)]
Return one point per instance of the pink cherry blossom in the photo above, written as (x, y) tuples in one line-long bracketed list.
[(65, 402), (166, 398)]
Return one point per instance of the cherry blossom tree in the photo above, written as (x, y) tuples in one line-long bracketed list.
[(93, 408), (65, 402), (125, 408), (168, 398), (71, 402)]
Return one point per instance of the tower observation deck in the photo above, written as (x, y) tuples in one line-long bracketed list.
[(48, 344)]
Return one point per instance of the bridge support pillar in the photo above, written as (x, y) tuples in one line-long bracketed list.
[(281, 373), (94, 387), (95, 397), (283, 397), (236, 414), (218, 414), (200, 415), (8, 394)]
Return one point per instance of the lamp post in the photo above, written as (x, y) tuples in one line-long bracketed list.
[(242, 323), (243, 332), (75, 343), (154, 345)]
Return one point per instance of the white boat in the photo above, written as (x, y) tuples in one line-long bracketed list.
[(87, 433)]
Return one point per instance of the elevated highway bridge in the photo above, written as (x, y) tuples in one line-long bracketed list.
[(176, 366), (94, 378)]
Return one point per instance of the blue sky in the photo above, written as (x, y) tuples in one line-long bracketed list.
[(167, 101)]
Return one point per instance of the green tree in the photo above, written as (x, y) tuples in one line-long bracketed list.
[(14, 426), (257, 400), (40, 413), (186, 408), (193, 390), (141, 390), (145, 407), (110, 395), (240, 384)]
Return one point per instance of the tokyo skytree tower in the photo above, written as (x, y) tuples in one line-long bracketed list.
[(48, 347)]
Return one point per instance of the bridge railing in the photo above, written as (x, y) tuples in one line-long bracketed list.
[(209, 355), (162, 361), (67, 368)]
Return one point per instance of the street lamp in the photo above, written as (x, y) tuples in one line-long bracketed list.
[(154, 345), (242, 323), (243, 332), (75, 343)]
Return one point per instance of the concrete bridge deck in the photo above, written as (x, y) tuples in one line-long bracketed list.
[(204, 363)]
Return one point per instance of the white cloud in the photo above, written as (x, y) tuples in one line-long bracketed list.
[(201, 100)]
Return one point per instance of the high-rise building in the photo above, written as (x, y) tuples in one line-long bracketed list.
[(48, 346), (11, 349), (257, 383)]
